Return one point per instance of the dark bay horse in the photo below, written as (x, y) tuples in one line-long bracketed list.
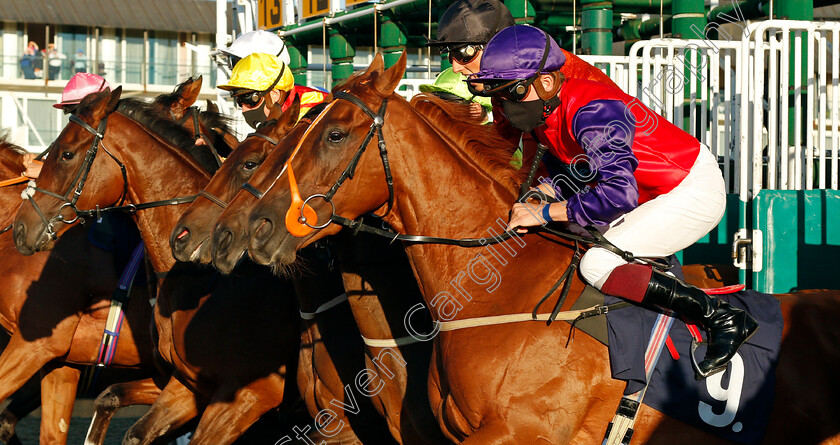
[(508, 383), (375, 284), (231, 340)]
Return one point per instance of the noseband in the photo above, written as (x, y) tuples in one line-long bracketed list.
[(75, 190)]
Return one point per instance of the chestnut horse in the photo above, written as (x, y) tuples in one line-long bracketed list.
[(231, 340), (507, 383), (54, 305), (383, 269)]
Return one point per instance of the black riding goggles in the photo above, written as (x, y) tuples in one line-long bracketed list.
[(515, 90), (462, 54), (253, 98)]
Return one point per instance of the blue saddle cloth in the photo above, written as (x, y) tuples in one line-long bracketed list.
[(734, 404)]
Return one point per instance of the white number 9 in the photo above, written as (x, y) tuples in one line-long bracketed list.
[(731, 395)]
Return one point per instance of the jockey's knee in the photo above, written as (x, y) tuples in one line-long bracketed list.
[(597, 264)]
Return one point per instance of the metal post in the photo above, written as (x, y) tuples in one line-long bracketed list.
[(596, 21), (393, 39), (522, 10), (298, 64), (342, 51)]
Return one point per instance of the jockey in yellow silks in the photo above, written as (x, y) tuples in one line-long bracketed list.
[(261, 81)]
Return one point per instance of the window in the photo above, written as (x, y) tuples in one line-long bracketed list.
[(163, 57), (73, 45)]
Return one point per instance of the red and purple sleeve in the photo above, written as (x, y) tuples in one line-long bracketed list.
[(605, 130)]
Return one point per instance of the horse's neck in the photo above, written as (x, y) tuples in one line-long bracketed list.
[(9, 202), (441, 192), (157, 173)]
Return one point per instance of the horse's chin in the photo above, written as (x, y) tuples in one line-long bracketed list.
[(195, 253), (26, 244), (229, 262)]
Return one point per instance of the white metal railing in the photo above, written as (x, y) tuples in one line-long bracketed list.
[(409, 87), (617, 67), (789, 141), (695, 85)]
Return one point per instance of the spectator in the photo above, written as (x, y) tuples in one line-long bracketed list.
[(79, 62), (54, 60), (27, 63)]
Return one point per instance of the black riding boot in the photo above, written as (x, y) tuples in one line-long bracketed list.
[(727, 327)]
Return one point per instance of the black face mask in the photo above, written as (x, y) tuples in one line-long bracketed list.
[(525, 116), (256, 116)]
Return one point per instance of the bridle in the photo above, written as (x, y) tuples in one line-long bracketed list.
[(71, 197), (595, 238), (194, 112), (221, 202), (74, 191)]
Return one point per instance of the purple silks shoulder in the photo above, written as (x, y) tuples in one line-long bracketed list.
[(604, 129)]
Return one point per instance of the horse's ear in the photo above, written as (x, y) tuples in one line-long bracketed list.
[(288, 120), (385, 84), (275, 112), (114, 100), (376, 66), (188, 94), (230, 139), (211, 107)]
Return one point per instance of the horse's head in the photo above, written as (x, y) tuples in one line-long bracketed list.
[(188, 239), (179, 101), (335, 146), (67, 171)]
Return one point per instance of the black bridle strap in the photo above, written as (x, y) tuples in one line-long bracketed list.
[(247, 186), (375, 128), (270, 139), (133, 208), (194, 112), (212, 198)]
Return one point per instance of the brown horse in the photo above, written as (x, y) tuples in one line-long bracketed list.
[(508, 383), (54, 305), (330, 342), (231, 360), (376, 283)]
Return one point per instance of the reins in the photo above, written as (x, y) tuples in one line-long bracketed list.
[(194, 112), (596, 238)]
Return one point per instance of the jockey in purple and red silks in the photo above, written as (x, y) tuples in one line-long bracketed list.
[(654, 188)]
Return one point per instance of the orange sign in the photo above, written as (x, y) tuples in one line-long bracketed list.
[(270, 14), (312, 8)]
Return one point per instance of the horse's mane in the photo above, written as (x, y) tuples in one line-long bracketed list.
[(10, 154), (152, 118), (481, 143)]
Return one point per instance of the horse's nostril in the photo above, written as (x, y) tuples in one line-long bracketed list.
[(184, 236), (224, 241), (263, 229)]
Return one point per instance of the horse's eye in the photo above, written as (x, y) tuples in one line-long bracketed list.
[(336, 136), (67, 155), (250, 165)]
